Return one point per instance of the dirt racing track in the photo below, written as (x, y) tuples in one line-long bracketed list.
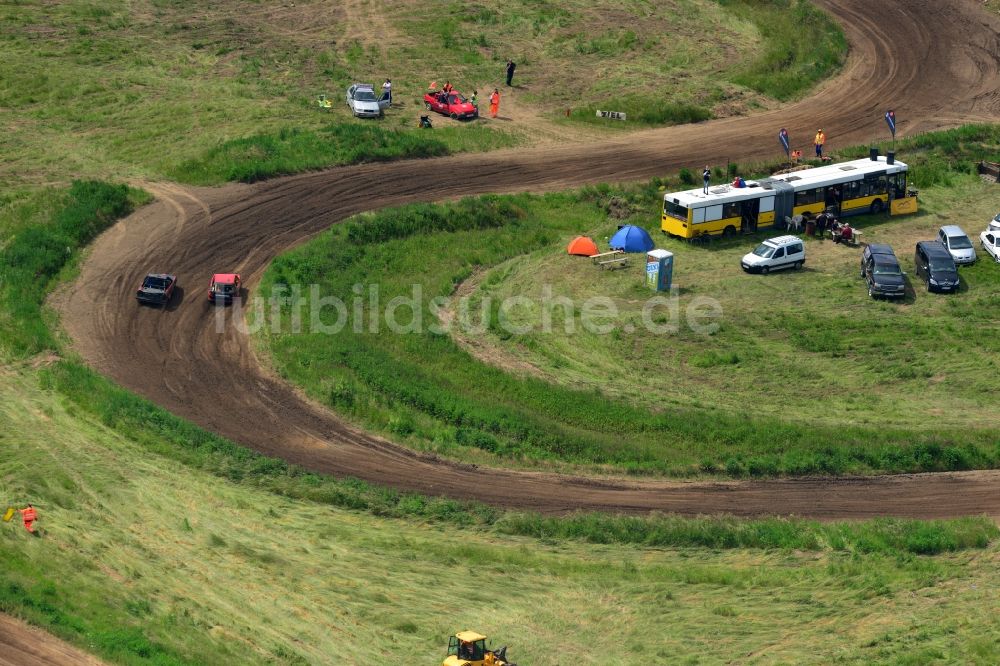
[(934, 62), (23, 645)]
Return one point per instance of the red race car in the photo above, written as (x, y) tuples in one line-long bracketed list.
[(450, 104), (224, 287)]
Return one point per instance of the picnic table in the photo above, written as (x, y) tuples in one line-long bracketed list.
[(610, 260), (855, 238)]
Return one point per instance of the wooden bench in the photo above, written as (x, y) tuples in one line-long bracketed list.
[(613, 255), (616, 262)]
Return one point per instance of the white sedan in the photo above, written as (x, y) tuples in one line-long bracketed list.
[(363, 102), (991, 243)]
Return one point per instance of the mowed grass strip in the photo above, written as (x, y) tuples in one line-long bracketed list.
[(144, 559), (854, 396)]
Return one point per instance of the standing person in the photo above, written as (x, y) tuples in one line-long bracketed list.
[(29, 516), (495, 103), (818, 141), (511, 66), (475, 99), (387, 91), (447, 87), (706, 175)]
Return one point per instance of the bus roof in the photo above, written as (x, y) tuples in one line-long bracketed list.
[(829, 174)]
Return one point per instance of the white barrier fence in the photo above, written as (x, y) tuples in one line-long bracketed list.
[(614, 115)]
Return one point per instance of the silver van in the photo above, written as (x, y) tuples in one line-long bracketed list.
[(957, 243)]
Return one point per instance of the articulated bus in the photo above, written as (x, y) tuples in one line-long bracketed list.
[(849, 188)]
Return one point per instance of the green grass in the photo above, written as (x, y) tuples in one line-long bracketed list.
[(800, 46), (88, 207), (148, 559), (647, 112), (586, 402), (163, 544), (294, 150), (152, 89), (168, 436), (37, 253)]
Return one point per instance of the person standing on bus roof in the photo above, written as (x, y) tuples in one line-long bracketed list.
[(818, 141), (706, 175)]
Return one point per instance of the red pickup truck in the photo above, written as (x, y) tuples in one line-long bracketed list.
[(450, 104)]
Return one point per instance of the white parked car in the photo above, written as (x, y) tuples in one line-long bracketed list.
[(991, 243), (363, 101), (994, 224), (957, 243), (775, 254)]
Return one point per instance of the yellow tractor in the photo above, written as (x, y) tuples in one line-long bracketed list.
[(467, 648)]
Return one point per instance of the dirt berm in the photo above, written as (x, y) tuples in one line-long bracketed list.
[(934, 62)]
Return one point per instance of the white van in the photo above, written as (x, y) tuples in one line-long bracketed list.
[(958, 244), (775, 254)]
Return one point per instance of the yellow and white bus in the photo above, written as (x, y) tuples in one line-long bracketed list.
[(850, 188)]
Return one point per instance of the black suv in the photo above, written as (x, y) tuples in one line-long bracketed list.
[(880, 269), (935, 265)]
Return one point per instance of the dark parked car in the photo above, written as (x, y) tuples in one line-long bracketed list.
[(156, 289), (936, 266), (880, 269)]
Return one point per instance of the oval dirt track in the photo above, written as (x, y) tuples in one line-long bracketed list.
[(934, 62)]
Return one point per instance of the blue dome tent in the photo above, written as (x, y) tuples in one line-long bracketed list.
[(631, 239)]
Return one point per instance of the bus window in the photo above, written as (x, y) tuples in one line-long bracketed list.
[(874, 184), (697, 215), (675, 210), (806, 197), (731, 209), (713, 213)]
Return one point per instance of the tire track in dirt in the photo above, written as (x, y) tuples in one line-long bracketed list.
[(934, 64)]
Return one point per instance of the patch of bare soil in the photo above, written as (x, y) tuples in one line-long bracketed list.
[(24, 645)]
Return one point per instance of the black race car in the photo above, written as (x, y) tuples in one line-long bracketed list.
[(156, 289)]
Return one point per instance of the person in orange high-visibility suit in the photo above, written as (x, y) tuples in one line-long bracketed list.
[(29, 516), (494, 103)]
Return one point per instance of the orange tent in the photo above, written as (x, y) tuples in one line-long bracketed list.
[(582, 246)]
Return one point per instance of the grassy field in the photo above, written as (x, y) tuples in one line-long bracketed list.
[(187, 91), (163, 544), (809, 345), (147, 561), (585, 398)]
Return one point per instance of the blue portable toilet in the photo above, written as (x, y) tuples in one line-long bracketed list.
[(631, 239), (659, 269)]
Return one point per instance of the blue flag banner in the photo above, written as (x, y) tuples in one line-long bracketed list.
[(890, 120), (783, 138)]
